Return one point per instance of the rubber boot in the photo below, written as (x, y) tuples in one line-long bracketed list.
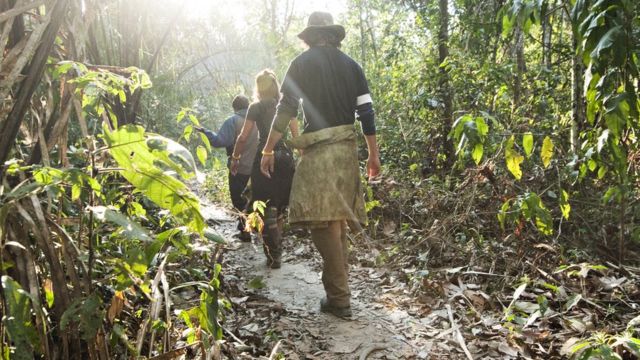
[(272, 238)]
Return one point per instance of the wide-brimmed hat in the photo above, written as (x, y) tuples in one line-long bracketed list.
[(320, 21)]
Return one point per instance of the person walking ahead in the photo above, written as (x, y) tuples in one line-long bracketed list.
[(274, 190), (226, 138), (326, 192)]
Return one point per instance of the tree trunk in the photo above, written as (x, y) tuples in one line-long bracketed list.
[(546, 33), (518, 53), (445, 87), (363, 44), (30, 83), (578, 111), (17, 30)]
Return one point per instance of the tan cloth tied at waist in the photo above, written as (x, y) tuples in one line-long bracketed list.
[(326, 185)]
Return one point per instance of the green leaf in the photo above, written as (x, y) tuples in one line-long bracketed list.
[(259, 206), (48, 293), (502, 214), (527, 144), (144, 169), (256, 283), (130, 228), (573, 301), (513, 159), (477, 153), (76, 191), (533, 209), (172, 156), (181, 115), (188, 130), (608, 40), (87, 313), (602, 172), (214, 236), (201, 151), (547, 151), (483, 128), (194, 120), (565, 207), (205, 141), (507, 25), (17, 319)]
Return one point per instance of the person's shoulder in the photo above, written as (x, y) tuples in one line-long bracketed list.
[(303, 57), (347, 58), (253, 105)]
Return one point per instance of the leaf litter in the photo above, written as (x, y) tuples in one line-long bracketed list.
[(402, 310)]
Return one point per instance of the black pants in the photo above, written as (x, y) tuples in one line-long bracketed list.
[(273, 191), (237, 184)]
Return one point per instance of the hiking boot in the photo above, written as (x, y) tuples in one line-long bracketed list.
[(341, 312), (244, 236), (272, 239), (276, 263)]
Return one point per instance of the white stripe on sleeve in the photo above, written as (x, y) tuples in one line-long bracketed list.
[(363, 99)]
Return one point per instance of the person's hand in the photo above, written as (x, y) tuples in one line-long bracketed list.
[(373, 167), (267, 164), (234, 167)]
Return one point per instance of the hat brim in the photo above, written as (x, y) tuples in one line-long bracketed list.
[(337, 30)]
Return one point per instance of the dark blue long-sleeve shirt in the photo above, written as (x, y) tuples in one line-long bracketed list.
[(226, 138)]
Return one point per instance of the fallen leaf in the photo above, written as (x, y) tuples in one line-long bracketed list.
[(507, 350), (566, 348), (544, 246), (610, 283), (455, 270), (389, 228), (116, 306), (576, 325), (239, 300), (573, 301)]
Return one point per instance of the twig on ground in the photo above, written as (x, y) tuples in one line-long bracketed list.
[(483, 273), (274, 352), (459, 336), (173, 354), (235, 338), (367, 351)]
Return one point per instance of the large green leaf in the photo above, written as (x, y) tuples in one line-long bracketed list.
[(613, 37), (87, 313), (174, 156), (130, 228), (201, 151), (17, 319), (148, 170)]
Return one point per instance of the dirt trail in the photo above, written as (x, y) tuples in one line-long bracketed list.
[(284, 304)]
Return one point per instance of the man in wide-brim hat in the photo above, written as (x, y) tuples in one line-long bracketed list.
[(327, 193), (321, 23)]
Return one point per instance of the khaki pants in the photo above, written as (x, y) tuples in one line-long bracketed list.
[(331, 242)]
